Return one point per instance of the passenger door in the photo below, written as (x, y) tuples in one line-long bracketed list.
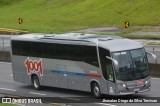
[(110, 77), (107, 70)]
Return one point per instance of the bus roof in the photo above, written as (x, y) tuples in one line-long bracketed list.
[(112, 43)]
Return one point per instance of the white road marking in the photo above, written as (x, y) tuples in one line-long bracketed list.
[(37, 93), (105, 104), (68, 98), (20, 104), (11, 75), (7, 89), (5, 63), (61, 96), (72, 98), (156, 78), (59, 104)]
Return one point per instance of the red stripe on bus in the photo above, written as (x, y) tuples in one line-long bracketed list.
[(94, 75)]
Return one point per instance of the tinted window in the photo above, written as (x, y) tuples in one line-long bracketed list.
[(48, 50), (16, 47), (91, 55), (26, 49), (36, 49), (21, 48), (69, 52), (87, 54)]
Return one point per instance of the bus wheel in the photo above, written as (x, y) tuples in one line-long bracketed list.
[(35, 82), (96, 90)]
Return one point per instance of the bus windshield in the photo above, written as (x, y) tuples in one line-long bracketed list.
[(132, 64)]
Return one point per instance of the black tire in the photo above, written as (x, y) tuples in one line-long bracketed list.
[(35, 82), (96, 90)]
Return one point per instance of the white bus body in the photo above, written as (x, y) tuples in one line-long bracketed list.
[(98, 64)]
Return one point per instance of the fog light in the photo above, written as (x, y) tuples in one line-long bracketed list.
[(146, 82)]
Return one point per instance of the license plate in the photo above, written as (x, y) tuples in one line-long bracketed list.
[(136, 89), (140, 82)]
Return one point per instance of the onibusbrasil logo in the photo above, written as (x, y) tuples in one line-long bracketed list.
[(34, 66)]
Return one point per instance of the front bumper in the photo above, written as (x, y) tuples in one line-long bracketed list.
[(134, 92)]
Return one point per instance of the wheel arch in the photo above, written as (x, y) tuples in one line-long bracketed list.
[(92, 82), (32, 75)]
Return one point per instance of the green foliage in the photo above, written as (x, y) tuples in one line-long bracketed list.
[(6, 104), (7, 2), (58, 16)]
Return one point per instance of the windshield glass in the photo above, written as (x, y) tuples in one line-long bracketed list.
[(132, 65)]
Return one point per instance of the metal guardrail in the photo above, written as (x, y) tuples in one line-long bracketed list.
[(5, 43)]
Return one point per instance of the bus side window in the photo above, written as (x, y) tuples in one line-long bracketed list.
[(16, 47), (69, 52), (26, 49), (48, 50), (90, 55), (22, 48), (36, 49)]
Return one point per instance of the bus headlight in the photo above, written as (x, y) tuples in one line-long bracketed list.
[(122, 84), (146, 82)]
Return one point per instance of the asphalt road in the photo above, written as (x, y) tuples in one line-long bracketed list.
[(8, 86)]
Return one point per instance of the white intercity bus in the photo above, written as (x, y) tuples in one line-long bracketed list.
[(99, 64)]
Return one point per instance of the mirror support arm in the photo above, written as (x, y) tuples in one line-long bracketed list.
[(115, 62)]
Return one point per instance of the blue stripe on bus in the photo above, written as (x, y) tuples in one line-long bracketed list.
[(75, 73), (69, 73)]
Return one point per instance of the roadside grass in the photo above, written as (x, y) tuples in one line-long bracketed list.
[(152, 43), (138, 36), (126, 35), (7, 2), (6, 104), (55, 16), (140, 28)]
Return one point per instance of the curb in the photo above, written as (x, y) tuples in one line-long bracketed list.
[(12, 31)]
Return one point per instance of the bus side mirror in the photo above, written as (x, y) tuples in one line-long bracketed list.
[(116, 65), (154, 56)]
